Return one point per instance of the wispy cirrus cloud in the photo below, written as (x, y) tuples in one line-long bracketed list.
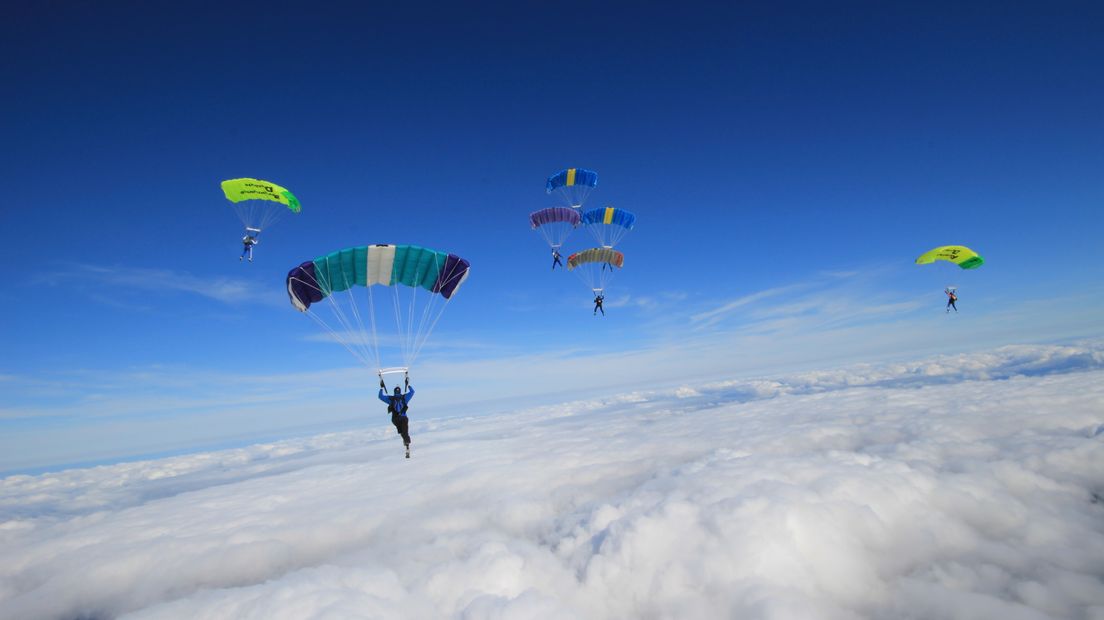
[(728, 309), (96, 279)]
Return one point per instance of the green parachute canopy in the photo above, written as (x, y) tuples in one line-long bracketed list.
[(958, 254), (237, 190)]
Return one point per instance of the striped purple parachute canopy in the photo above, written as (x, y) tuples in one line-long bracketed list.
[(555, 215)]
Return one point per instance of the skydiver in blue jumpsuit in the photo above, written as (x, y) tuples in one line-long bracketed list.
[(397, 404), (556, 259)]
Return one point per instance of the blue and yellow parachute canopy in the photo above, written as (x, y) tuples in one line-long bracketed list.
[(572, 177), (610, 216)]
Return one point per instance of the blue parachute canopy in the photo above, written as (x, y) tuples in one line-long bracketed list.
[(572, 177), (610, 216)]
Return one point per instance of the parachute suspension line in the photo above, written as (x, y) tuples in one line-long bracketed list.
[(354, 336), (372, 317), (615, 236), (361, 335), (432, 325), (399, 321), (547, 236), (408, 326), (256, 213), (337, 338), (420, 335), (415, 334), (359, 355), (437, 315)]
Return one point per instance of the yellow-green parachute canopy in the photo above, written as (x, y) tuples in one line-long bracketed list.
[(237, 190), (958, 254)]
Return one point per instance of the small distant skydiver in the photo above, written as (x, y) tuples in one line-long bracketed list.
[(951, 299), (397, 404), (248, 241), (598, 299), (556, 258)]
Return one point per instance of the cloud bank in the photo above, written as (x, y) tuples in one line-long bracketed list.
[(957, 487)]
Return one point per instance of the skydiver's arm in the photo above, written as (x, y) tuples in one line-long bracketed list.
[(384, 398), (409, 393)]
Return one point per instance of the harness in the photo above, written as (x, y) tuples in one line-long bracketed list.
[(397, 405)]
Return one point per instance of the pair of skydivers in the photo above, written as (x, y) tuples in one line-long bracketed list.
[(397, 404)]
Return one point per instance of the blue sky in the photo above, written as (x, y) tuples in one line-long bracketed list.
[(786, 164)]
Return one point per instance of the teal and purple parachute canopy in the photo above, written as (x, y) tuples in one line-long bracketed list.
[(386, 265)]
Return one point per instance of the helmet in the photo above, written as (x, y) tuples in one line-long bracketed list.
[(397, 390)]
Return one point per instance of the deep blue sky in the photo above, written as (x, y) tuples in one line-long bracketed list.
[(785, 155)]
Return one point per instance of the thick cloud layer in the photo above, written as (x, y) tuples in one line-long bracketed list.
[(964, 487)]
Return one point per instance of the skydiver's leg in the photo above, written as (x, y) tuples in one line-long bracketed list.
[(402, 425)]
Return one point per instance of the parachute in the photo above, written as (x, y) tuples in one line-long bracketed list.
[(573, 185), (960, 255), (555, 224), (259, 204), (596, 266), (421, 282), (608, 225)]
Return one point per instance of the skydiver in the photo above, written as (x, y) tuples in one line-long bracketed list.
[(598, 304), (951, 299), (556, 258), (397, 404), (248, 241)]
